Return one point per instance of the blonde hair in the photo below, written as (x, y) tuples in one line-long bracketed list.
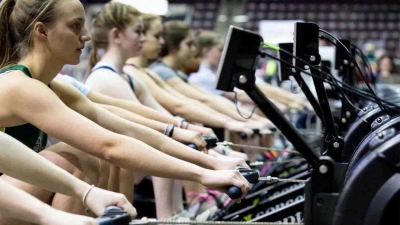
[(17, 19), (113, 15), (147, 20)]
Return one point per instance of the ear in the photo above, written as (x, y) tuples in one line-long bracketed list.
[(115, 36), (40, 30), (204, 51)]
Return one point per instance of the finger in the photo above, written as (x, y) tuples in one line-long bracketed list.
[(242, 183), (244, 164), (249, 132), (127, 207)]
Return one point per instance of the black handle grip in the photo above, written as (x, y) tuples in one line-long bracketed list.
[(234, 192), (210, 140), (193, 146), (114, 215), (250, 175), (255, 132), (105, 221)]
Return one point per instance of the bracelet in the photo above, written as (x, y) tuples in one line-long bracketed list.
[(187, 125), (87, 210), (226, 151), (166, 129), (181, 123), (169, 130)]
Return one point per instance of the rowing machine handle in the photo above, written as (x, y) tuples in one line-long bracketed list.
[(250, 175), (114, 215), (211, 142)]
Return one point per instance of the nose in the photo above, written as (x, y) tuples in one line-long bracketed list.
[(142, 38), (85, 36), (161, 40)]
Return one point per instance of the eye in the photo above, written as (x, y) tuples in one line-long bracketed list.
[(76, 26), (139, 31)]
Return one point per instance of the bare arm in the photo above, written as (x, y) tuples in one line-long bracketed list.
[(119, 125), (282, 96), (180, 135), (145, 96), (20, 162), (135, 107), (51, 115), (20, 205), (241, 96), (191, 112), (215, 103), (142, 110)]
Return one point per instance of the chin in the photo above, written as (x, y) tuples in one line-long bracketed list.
[(74, 62)]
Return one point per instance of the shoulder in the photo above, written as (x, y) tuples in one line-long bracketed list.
[(16, 81), (163, 71), (103, 77)]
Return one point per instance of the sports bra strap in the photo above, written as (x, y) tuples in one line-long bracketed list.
[(104, 67), (133, 65), (112, 69)]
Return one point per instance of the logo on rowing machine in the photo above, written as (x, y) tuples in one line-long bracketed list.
[(287, 189), (296, 218), (280, 205)]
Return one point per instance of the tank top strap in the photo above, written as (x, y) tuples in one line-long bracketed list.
[(20, 67)]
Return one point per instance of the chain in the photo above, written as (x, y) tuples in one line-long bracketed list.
[(140, 222), (269, 178), (225, 143), (275, 162)]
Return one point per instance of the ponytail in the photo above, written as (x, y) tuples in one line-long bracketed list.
[(94, 58), (9, 52)]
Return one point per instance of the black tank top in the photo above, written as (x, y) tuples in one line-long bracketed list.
[(28, 134)]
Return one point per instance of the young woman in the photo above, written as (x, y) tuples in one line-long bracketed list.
[(51, 37), (178, 47), (172, 100), (210, 47), (119, 34), (20, 162), (152, 28)]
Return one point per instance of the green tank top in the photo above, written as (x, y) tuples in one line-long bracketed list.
[(28, 134)]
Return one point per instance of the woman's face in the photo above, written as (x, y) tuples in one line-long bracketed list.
[(154, 40), (186, 48), (67, 35), (132, 38), (385, 65), (214, 54)]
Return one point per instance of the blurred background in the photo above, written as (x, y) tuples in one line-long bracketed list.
[(373, 25)]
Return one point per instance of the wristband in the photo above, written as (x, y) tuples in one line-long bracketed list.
[(171, 132)]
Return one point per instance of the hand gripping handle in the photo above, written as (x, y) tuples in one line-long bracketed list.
[(114, 215), (250, 175)]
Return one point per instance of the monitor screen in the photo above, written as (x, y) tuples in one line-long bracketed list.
[(240, 56)]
